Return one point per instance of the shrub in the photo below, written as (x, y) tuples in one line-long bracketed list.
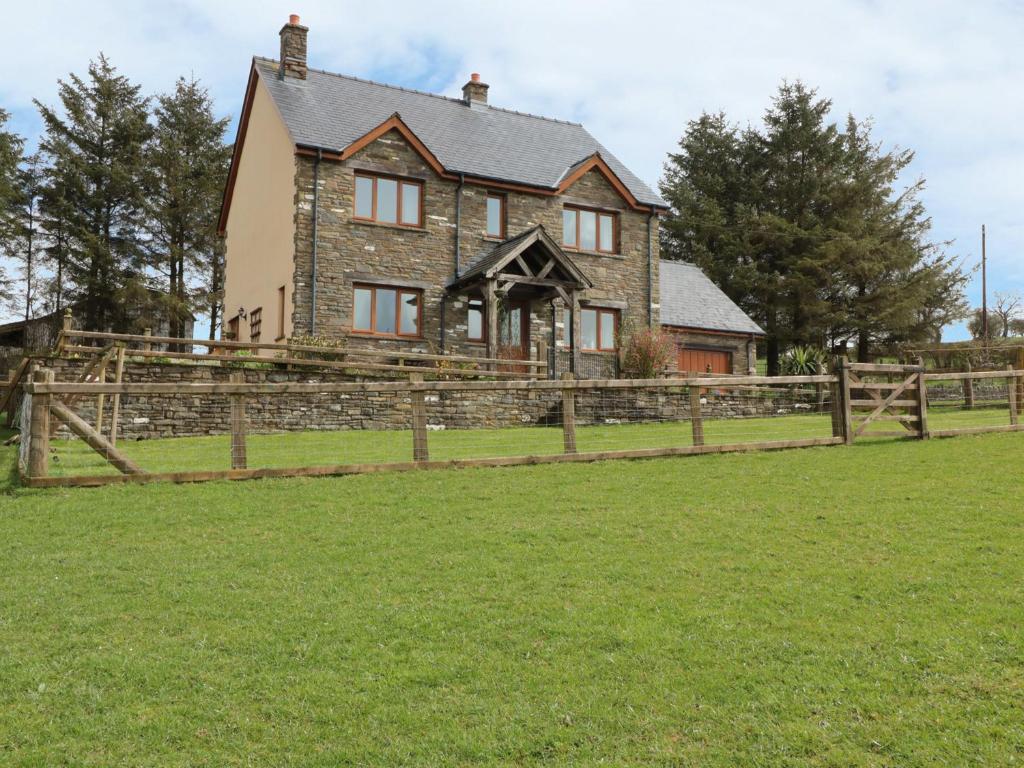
[(333, 348), (804, 361), (646, 353)]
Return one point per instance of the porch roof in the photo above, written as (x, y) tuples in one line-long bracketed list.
[(531, 257)]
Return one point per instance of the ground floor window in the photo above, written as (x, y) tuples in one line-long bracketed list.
[(386, 311), (475, 320), (599, 329), (255, 324)]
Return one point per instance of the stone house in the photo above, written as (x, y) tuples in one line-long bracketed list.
[(405, 221)]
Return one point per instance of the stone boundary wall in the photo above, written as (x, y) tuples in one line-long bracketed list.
[(155, 416)]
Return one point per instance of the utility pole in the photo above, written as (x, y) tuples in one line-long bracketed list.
[(984, 290)]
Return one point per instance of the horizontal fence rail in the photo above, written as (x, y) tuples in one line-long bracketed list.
[(94, 431), (257, 429), (342, 357)]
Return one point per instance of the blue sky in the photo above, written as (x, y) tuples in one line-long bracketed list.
[(942, 78)]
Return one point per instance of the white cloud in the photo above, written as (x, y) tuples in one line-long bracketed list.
[(940, 78)]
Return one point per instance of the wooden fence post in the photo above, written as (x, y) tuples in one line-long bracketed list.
[(569, 415), (844, 388), (1020, 381), (968, 388), (238, 455), (833, 393), (420, 449), (101, 378), (115, 405), (542, 355), (39, 429), (146, 346), (62, 337), (922, 401), (1011, 391), (696, 418)]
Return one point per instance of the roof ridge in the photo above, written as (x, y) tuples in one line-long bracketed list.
[(424, 93)]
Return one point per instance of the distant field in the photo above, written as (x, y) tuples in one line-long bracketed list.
[(847, 606)]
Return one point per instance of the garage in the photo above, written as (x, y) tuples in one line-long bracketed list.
[(704, 360)]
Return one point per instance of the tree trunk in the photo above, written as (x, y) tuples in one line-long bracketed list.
[(772, 342)]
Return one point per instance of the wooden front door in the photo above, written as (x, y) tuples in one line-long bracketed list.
[(514, 333), (704, 361)]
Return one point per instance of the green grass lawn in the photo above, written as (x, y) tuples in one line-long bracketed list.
[(847, 606)]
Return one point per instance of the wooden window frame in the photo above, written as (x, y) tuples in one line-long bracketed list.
[(255, 325), (400, 181), (399, 291), (601, 311), (233, 326), (282, 295), (502, 217), (482, 338), (598, 213)]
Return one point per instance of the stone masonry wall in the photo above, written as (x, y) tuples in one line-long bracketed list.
[(350, 251), (154, 416)]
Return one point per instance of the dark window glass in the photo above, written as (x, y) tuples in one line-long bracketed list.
[(409, 321), (364, 197), (361, 312), (569, 227), (475, 320), (387, 201), (384, 317), (495, 216), (411, 204), (606, 234)]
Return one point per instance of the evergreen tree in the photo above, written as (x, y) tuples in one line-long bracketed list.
[(800, 224), (189, 161), (11, 146), (94, 202), (26, 243)]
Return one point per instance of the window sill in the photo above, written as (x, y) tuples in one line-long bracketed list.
[(494, 238), (398, 227), (602, 254), (385, 336)]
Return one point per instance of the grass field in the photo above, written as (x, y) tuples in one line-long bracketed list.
[(848, 606)]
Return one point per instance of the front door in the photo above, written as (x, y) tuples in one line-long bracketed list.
[(514, 333)]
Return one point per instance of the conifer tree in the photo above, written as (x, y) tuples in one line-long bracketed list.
[(801, 224), (11, 147), (189, 161), (95, 196)]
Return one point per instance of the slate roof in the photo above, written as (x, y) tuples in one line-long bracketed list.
[(330, 111), (690, 300)]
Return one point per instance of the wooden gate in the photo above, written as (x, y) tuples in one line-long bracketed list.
[(877, 393)]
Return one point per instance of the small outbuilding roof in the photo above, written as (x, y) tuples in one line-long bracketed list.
[(690, 300)]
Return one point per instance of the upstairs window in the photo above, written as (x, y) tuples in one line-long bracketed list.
[(496, 216), (587, 230), (384, 311), (386, 200)]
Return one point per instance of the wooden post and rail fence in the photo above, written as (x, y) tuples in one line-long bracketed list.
[(864, 395)]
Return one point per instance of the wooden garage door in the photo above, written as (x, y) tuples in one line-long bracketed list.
[(705, 360)]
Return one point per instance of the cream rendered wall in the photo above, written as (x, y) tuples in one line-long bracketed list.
[(260, 231)]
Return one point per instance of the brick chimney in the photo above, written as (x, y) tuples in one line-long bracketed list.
[(293, 49), (474, 91)]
